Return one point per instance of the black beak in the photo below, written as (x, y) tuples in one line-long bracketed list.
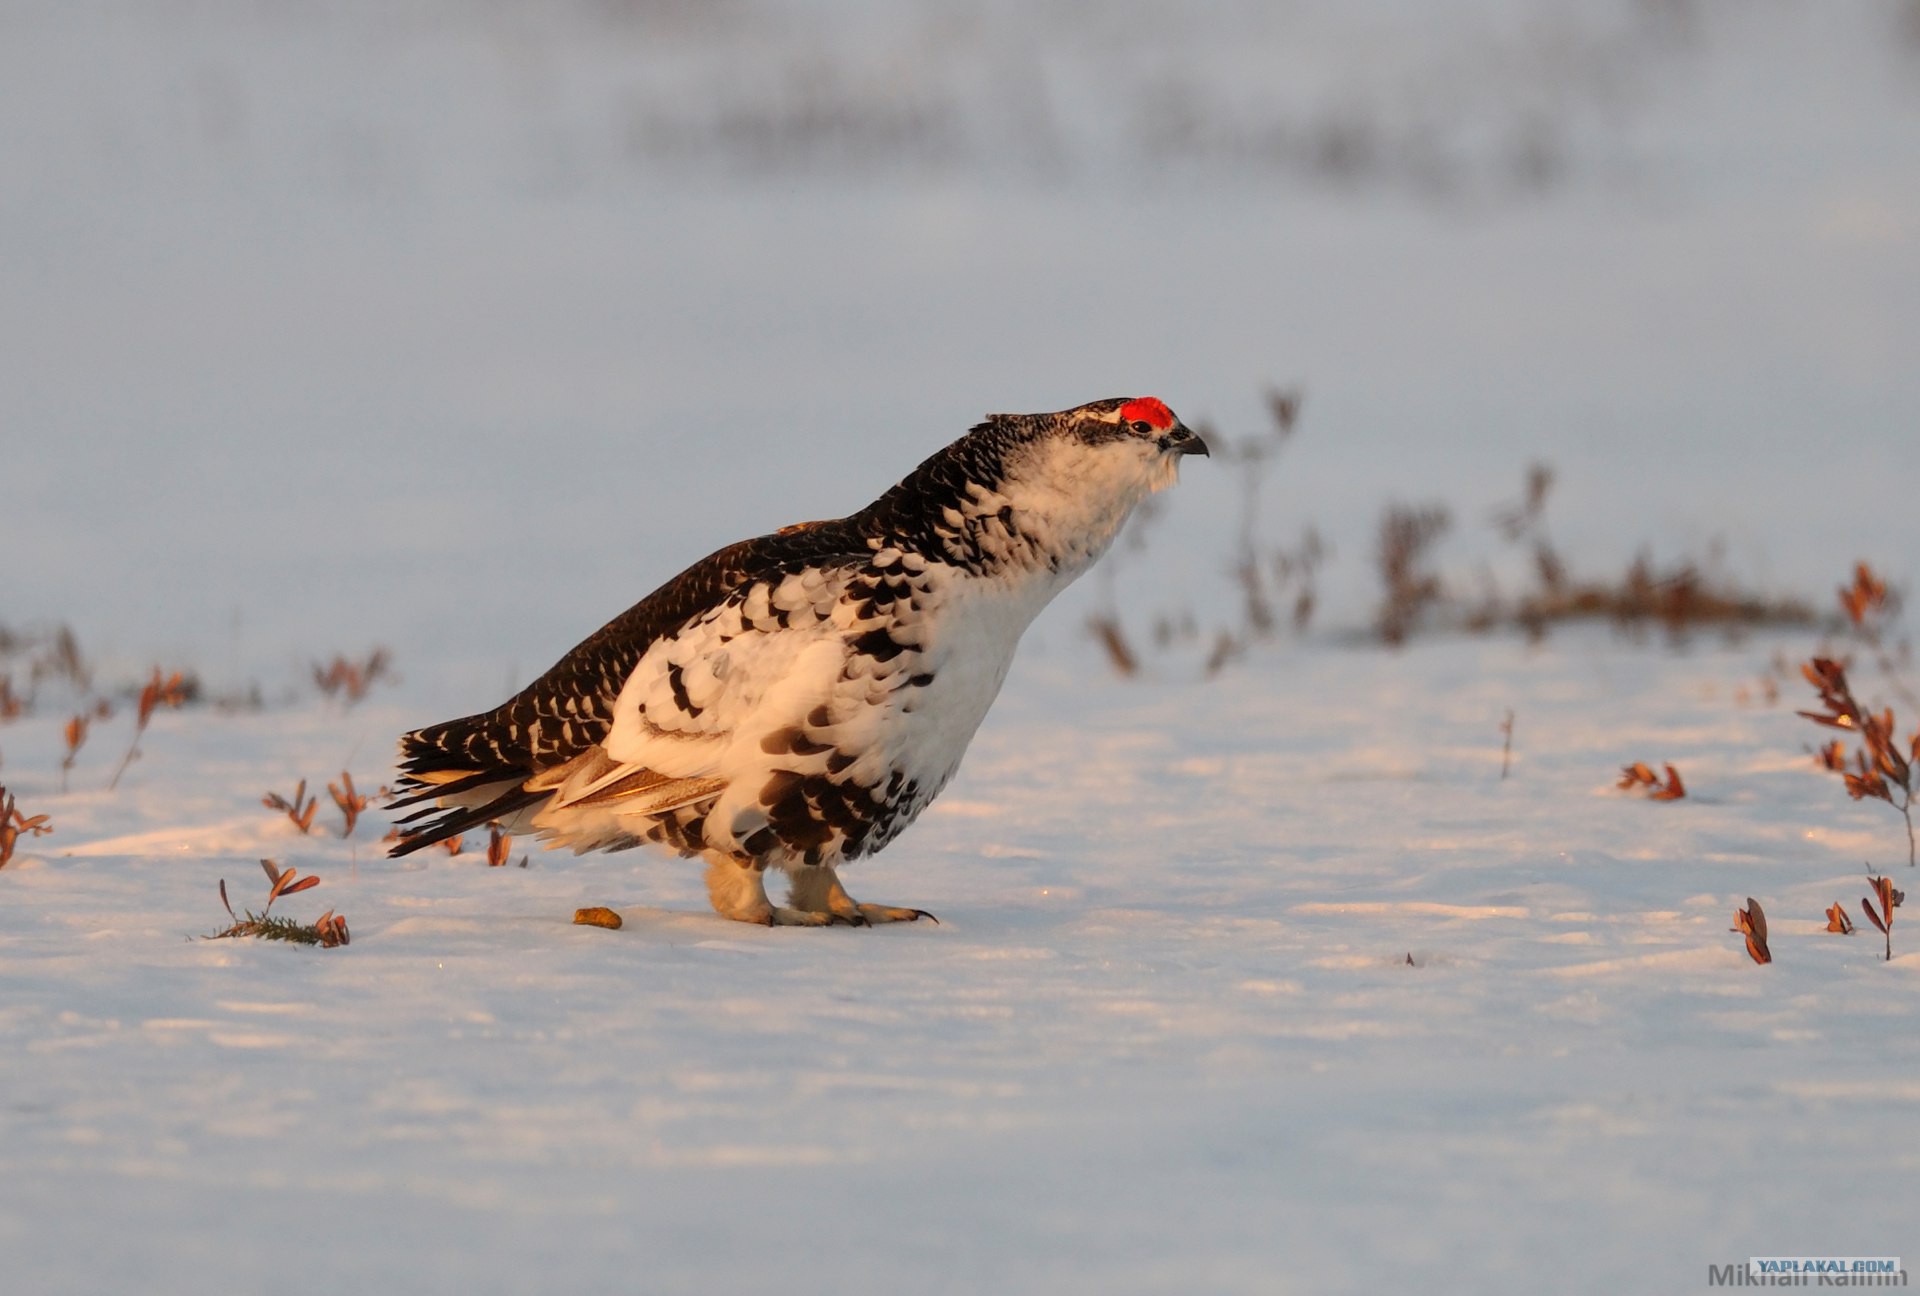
[(1181, 440)]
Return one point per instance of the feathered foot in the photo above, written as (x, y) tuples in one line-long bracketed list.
[(818, 891), (737, 889)]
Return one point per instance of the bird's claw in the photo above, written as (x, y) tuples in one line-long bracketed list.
[(895, 913)]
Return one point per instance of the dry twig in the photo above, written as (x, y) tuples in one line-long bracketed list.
[(1106, 629), (170, 692), (76, 735)]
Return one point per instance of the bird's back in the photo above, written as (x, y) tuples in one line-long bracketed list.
[(569, 708)]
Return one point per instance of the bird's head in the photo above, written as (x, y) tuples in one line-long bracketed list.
[(1124, 447), (1039, 491), (1072, 478), (1134, 433)]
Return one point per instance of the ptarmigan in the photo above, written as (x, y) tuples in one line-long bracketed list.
[(795, 700)]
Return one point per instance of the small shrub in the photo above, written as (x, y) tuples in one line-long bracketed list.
[(1751, 922), (350, 801), (1890, 899), (173, 691), (1106, 628), (350, 680), (1638, 775), (327, 931), (1879, 770), (500, 848), (13, 824), (76, 736), (1406, 535), (299, 811)]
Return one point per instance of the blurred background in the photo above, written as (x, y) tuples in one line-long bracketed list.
[(458, 326)]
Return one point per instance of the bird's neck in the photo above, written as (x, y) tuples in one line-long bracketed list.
[(1010, 506)]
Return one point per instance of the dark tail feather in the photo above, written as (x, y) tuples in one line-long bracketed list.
[(487, 741), (468, 761), (458, 819), (414, 792)]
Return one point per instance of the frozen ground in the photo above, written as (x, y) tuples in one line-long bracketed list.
[(455, 328), (1166, 1037)]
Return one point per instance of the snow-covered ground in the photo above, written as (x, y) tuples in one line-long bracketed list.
[(455, 329), (1166, 1037)]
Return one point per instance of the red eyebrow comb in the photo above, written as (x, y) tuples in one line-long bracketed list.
[(1150, 410)]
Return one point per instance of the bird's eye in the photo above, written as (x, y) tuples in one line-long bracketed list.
[(1143, 427)]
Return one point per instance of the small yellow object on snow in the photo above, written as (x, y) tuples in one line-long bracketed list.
[(597, 917)]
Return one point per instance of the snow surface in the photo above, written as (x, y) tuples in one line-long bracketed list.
[(1166, 1037), (456, 328)]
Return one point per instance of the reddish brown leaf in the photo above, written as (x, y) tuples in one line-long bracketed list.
[(299, 811), (1870, 784), (1872, 917), (1883, 887), (1837, 920), (1867, 594), (1752, 923), (1635, 775), (1639, 775), (349, 800), (332, 929)]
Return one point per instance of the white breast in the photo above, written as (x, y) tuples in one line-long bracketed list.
[(974, 631)]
